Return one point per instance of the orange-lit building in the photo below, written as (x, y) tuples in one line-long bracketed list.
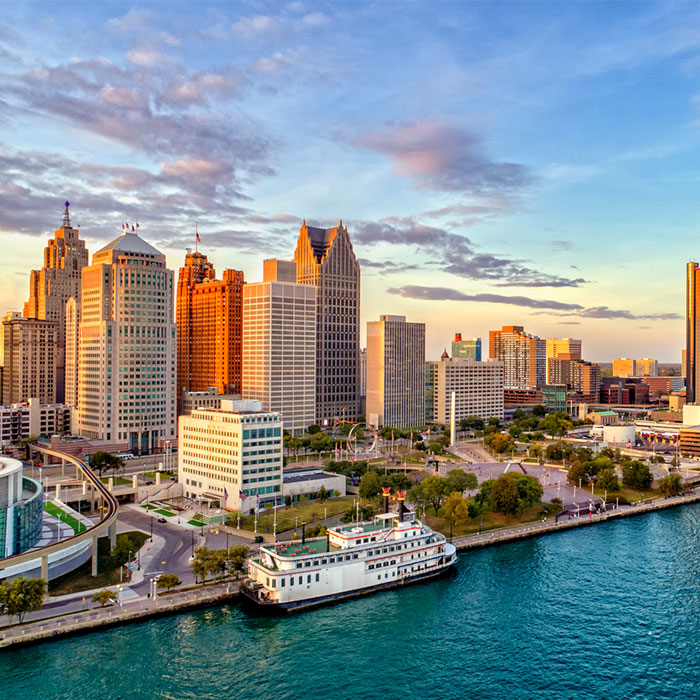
[(209, 324), (523, 357)]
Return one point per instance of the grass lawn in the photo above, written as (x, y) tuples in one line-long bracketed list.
[(118, 480), (305, 512), (166, 513), (149, 507), (632, 495), (491, 520), (196, 523), (81, 579), (71, 520), (152, 475)]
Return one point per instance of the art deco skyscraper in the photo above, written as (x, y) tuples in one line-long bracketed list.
[(51, 287), (126, 392), (325, 259), (209, 318), (692, 332)]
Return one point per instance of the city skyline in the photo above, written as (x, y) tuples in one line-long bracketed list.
[(492, 179)]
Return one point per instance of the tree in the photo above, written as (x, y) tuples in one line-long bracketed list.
[(435, 489), (456, 509), (201, 564), (101, 461), (312, 429), (556, 423), (539, 410), (499, 443), (322, 494), (369, 485), (104, 596), (577, 474), (607, 479), (168, 581), (461, 481), (21, 596), (671, 485), (25, 442), (436, 447), (237, 558), (518, 414), (510, 493), (514, 431), (636, 474), (217, 562), (503, 495)]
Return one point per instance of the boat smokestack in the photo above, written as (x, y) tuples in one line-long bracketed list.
[(401, 497), (386, 492), (303, 533)]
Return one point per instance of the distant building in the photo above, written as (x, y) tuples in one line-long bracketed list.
[(30, 360), (478, 388), (624, 367), (577, 375), (20, 420), (663, 386), (326, 260), (395, 372), (127, 348), (51, 287), (363, 381), (279, 345), (624, 390), (231, 456), (569, 348), (554, 396), (603, 417), (518, 398), (523, 357), (467, 349), (647, 367)]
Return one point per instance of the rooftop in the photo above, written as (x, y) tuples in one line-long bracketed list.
[(130, 243)]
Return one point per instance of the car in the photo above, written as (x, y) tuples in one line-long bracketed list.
[(162, 520), (173, 478), (149, 483)]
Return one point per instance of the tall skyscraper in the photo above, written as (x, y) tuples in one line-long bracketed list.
[(326, 260), (523, 356), (209, 323), (29, 369), (557, 347), (127, 347), (466, 349), (51, 287), (279, 345), (395, 372), (624, 367)]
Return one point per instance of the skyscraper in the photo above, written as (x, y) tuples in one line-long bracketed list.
[(466, 349), (209, 323), (624, 367), (523, 356), (326, 260), (692, 332), (51, 287), (647, 367), (557, 347), (395, 372), (279, 345), (127, 347)]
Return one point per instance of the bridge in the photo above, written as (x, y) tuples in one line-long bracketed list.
[(107, 523)]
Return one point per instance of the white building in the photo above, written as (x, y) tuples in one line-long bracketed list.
[(478, 388), (279, 345), (308, 482), (127, 347), (209, 398), (231, 455)]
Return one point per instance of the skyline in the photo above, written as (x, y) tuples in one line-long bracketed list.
[(480, 159)]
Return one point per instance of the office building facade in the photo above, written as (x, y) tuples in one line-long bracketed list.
[(279, 345), (326, 260), (523, 357), (624, 367), (395, 372), (561, 347), (469, 349), (647, 367), (127, 347)]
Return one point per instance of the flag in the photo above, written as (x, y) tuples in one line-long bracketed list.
[(199, 240), (241, 495), (257, 496), (137, 224), (132, 228), (225, 493)]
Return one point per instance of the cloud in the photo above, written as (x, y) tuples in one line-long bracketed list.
[(436, 155), (314, 19), (198, 88), (568, 323), (562, 246), (142, 25), (388, 266), (554, 307), (148, 56), (252, 27), (455, 254)]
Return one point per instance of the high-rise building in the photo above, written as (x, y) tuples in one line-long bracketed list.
[(647, 367), (326, 260), (692, 332), (209, 322), (395, 372), (468, 349), (72, 337), (51, 287), (127, 347), (478, 388), (523, 356), (624, 367), (279, 345), (231, 456), (556, 347), (30, 360)]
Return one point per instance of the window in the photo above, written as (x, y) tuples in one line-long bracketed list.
[(316, 578)]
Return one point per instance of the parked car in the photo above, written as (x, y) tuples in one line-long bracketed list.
[(162, 520)]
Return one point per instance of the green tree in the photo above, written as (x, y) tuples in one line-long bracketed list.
[(201, 564), (577, 474), (556, 423), (21, 596), (519, 413), (636, 474), (237, 558), (168, 581), (607, 479), (436, 447), (461, 481), (313, 429), (503, 495), (104, 596), (514, 431), (671, 485), (322, 494), (598, 464), (217, 562), (456, 509), (539, 410), (435, 490), (369, 485), (101, 461), (25, 442), (499, 443)]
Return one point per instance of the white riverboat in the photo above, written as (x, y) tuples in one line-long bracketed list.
[(392, 550)]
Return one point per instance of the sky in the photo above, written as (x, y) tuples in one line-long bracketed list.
[(495, 163)]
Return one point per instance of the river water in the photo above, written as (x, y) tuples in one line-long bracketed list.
[(610, 611)]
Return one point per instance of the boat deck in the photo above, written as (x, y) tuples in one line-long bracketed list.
[(297, 549)]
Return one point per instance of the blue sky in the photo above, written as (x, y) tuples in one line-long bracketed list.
[(495, 163)]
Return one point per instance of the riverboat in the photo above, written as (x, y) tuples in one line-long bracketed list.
[(393, 549)]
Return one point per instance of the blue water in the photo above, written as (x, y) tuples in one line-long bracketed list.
[(611, 611)]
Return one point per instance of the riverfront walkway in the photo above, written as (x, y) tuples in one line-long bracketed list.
[(134, 610)]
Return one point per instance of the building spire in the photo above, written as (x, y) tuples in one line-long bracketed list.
[(66, 215)]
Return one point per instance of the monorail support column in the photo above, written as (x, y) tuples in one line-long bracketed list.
[(46, 459), (113, 535), (45, 570), (94, 555)]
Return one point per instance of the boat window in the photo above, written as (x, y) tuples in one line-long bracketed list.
[(281, 583), (354, 556), (371, 566), (323, 561), (301, 580), (308, 579), (267, 581), (316, 577), (274, 583), (299, 565), (307, 563)]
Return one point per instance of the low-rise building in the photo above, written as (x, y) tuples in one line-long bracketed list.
[(603, 417), (210, 398), (308, 482), (231, 455)]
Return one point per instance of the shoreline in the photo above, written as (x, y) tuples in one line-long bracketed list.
[(84, 622)]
